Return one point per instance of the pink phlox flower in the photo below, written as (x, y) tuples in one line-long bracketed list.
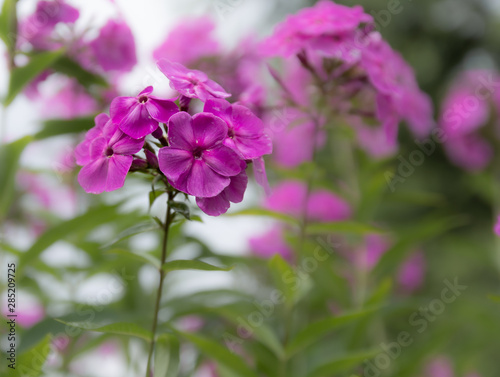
[(191, 83), (139, 116), (106, 156), (196, 161)]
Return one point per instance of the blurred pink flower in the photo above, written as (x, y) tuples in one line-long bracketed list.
[(411, 272), (290, 197), (270, 243), (369, 254), (394, 78), (71, 101), (28, 309), (114, 48), (37, 29), (321, 24), (496, 227), (465, 110), (191, 323), (440, 367), (197, 33)]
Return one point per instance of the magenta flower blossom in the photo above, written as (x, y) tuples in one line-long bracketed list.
[(465, 111), (114, 48), (245, 131), (440, 367), (70, 102), (369, 255), (219, 204), (496, 228), (398, 94), (271, 243), (38, 28), (323, 24), (82, 150), (290, 197), (411, 272), (197, 162), (106, 156), (295, 140), (139, 116), (197, 33), (191, 83)]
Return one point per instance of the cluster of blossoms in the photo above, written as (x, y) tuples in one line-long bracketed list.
[(204, 154), (110, 53), (364, 79)]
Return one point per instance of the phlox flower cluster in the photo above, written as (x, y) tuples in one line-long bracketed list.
[(202, 154)]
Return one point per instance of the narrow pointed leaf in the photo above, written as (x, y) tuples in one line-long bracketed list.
[(192, 265)]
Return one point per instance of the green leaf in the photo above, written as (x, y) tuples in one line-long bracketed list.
[(494, 298), (220, 354), (344, 227), (192, 265), (262, 333), (143, 227), (145, 258), (284, 277), (30, 363), (83, 223), (381, 293), (8, 23), (180, 208), (317, 330), (153, 195), (427, 228), (119, 328), (9, 163), (56, 127), (166, 356), (343, 364), (71, 68), (22, 76), (265, 213)]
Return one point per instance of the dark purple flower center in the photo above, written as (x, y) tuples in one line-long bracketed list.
[(230, 133), (109, 152), (197, 153), (143, 99)]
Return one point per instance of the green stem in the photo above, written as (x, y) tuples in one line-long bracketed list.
[(168, 222)]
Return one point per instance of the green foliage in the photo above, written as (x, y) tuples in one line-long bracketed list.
[(167, 356), (177, 265), (22, 76), (31, 362), (56, 127), (9, 163), (219, 353), (118, 328)]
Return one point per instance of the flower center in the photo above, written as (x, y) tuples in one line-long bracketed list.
[(109, 152), (197, 154), (230, 133), (143, 99), (192, 78)]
